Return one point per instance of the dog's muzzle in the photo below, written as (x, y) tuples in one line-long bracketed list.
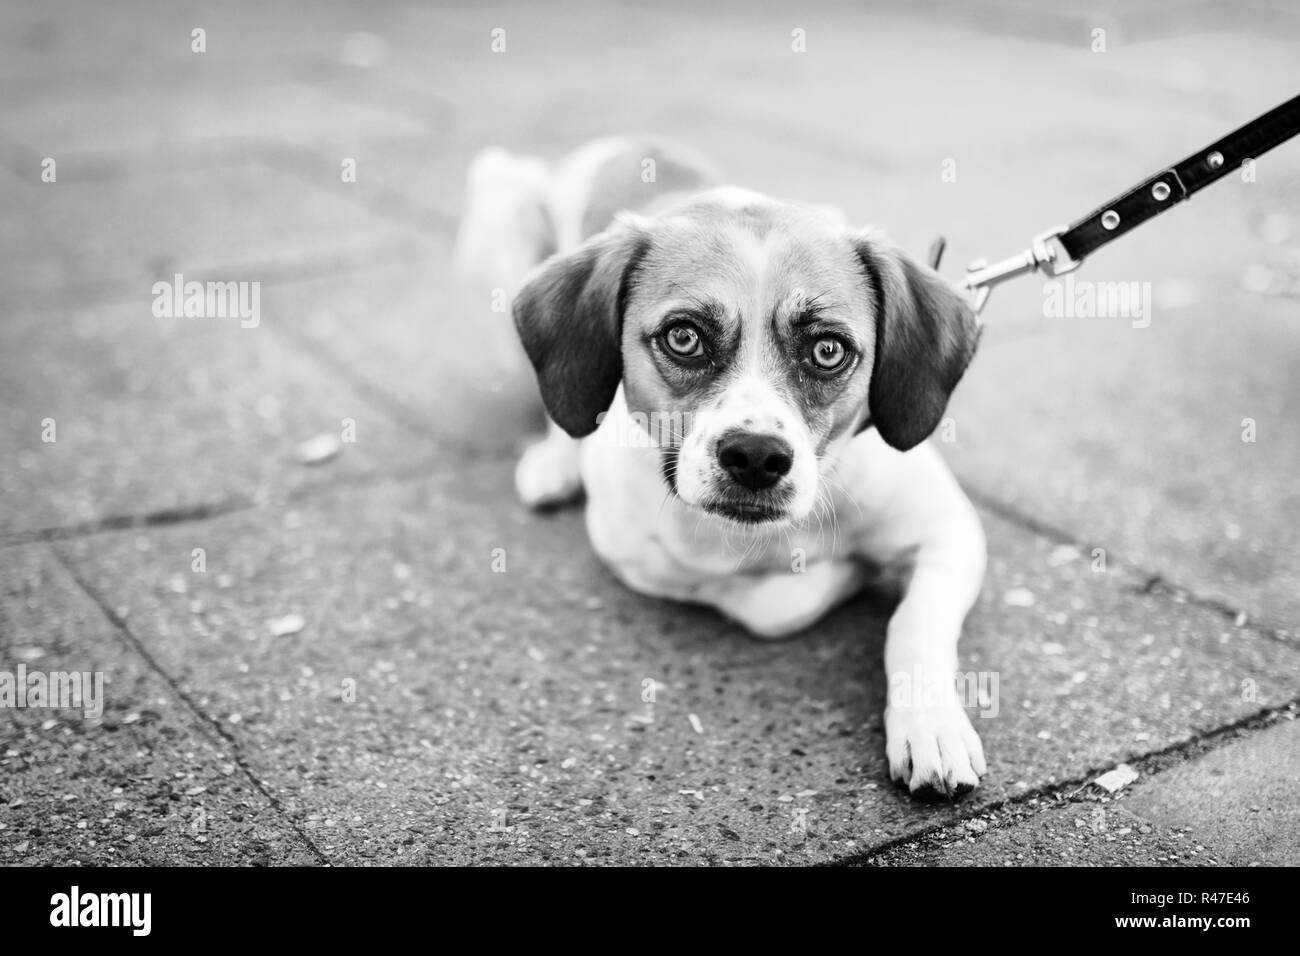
[(756, 462)]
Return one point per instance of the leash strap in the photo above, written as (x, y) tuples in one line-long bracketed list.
[(1063, 249)]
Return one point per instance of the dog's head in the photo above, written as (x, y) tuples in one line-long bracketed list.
[(751, 337)]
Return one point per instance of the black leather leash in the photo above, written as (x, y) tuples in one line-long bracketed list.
[(1063, 249)]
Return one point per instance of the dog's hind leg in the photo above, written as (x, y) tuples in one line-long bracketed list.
[(505, 231)]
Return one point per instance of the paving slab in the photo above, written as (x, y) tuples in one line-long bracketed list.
[(1242, 797), (87, 241), (1056, 833), (1225, 801), (436, 346), (513, 699), (162, 121), (145, 781), (171, 415), (1170, 446), (52, 48)]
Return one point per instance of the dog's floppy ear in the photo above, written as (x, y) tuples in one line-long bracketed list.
[(570, 317), (926, 334)]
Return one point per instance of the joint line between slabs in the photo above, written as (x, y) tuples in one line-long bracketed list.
[(1196, 746), (1153, 585), (212, 724)]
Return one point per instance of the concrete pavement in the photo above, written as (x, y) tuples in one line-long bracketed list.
[(364, 651)]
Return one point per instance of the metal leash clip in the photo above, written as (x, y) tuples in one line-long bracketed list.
[(1044, 253)]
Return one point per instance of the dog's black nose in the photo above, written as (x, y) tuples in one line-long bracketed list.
[(755, 461)]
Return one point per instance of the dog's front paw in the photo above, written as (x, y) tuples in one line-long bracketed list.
[(934, 750), (548, 474)]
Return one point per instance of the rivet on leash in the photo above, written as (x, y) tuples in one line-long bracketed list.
[(1063, 248)]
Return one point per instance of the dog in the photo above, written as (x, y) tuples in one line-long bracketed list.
[(743, 388)]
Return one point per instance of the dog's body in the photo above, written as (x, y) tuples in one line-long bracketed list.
[(714, 367)]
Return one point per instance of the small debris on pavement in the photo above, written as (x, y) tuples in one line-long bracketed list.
[(695, 723), (1117, 779), (1019, 597), (318, 450), (285, 626), (1062, 555)]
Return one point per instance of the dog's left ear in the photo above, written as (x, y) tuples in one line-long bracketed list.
[(926, 334), (570, 318)]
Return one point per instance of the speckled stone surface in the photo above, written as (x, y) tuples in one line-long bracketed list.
[(1138, 443), (154, 415), (147, 781), (1056, 833), (520, 691), (1241, 796), (1230, 801)]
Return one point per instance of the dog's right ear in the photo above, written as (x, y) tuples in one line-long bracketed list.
[(926, 334), (570, 318)]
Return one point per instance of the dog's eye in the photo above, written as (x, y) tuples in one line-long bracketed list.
[(829, 354), (684, 341)]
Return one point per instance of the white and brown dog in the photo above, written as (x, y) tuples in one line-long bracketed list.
[(757, 381)]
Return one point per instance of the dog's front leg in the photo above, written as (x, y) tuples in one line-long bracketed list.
[(549, 472), (929, 740)]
